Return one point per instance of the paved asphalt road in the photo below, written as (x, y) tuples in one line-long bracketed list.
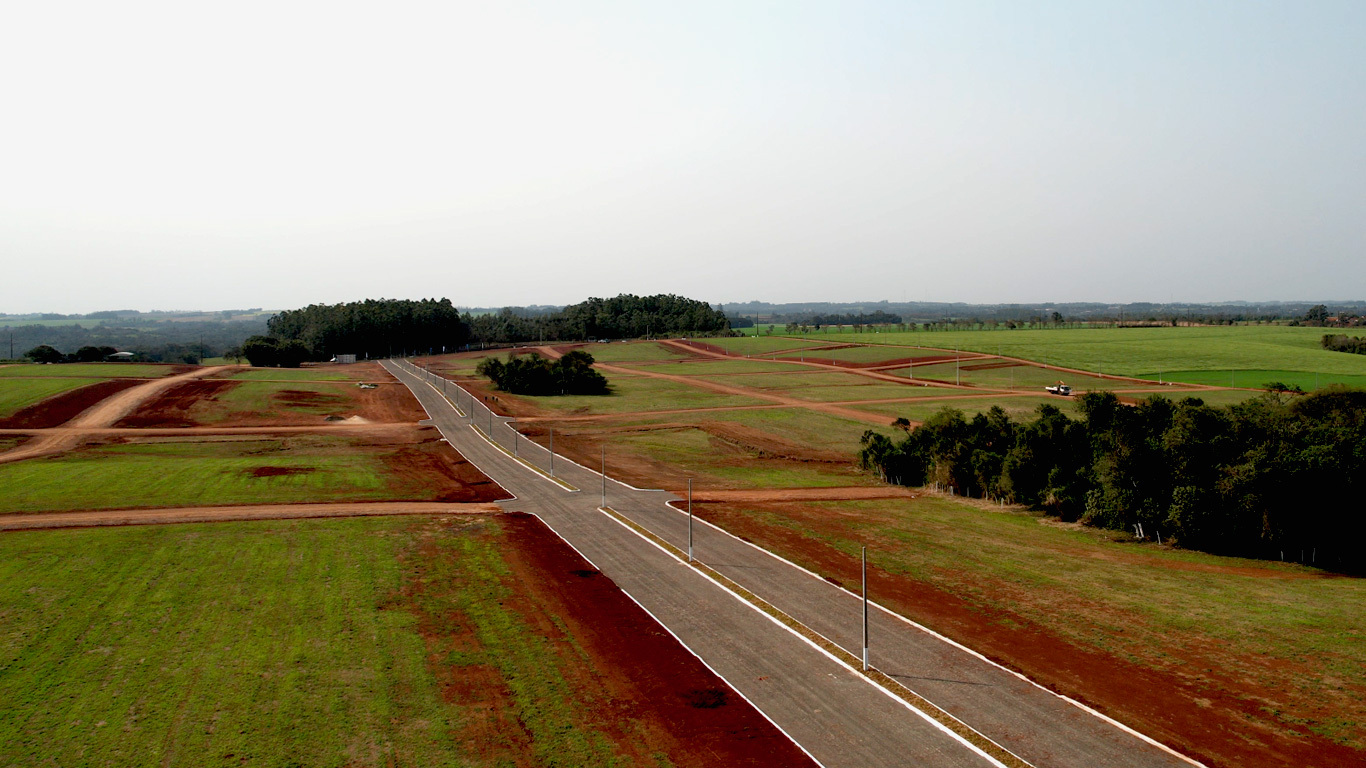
[(833, 712)]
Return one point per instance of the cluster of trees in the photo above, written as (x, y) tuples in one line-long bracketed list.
[(1340, 343), (532, 374), (1272, 477), (370, 328), (270, 352), (89, 354), (622, 317)]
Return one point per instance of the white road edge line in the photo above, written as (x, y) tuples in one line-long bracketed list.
[(680, 642), (1144, 737), (940, 726)]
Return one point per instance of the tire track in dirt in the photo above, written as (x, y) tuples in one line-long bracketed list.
[(116, 517)]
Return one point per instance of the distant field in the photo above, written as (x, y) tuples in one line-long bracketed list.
[(90, 370), (1259, 379), (713, 366), (1020, 407), (171, 473), (369, 642), (291, 374), (1146, 351), (758, 345), (17, 393), (1248, 626), (639, 394), (830, 387), (618, 352)]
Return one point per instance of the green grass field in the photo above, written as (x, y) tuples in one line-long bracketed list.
[(1020, 407), (291, 374), (876, 354), (89, 370), (172, 473), (636, 394), (758, 345), (1146, 351), (19, 393), (714, 366), (284, 643), (1260, 378), (636, 351), (1287, 630), (265, 397), (829, 387)]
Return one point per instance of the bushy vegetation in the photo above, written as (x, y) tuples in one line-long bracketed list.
[(623, 317), (532, 374), (371, 328), (1261, 478), (268, 352), (1339, 343)]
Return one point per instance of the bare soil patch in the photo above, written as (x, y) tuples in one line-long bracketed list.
[(681, 708), (172, 407), (1217, 718), (279, 471), (428, 461), (191, 404), (59, 409), (766, 495), (768, 446), (992, 366)]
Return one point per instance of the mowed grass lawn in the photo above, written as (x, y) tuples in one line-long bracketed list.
[(285, 643), (171, 473), (1147, 351), (291, 374), (19, 393), (89, 370), (266, 397), (640, 395), (1295, 632), (759, 345)]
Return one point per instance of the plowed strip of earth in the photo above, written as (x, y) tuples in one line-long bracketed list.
[(684, 715), (62, 408), (103, 414), (249, 512), (850, 493)]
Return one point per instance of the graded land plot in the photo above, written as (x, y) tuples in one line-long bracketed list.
[(229, 402), (1019, 407), (290, 374), (1258, 379), (363, 642), (68, 399), (1146, 351), (705, 366), (829, 387), (765, 448), (95, 370), (741, 346), (622, 352), (1004, 375), (866, 356), (410, 465), (631, 394), (1233, 661)]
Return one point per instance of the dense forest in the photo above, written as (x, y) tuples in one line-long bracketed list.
[(532, 374), (623, 317), (179, 337), (372, 328), (1275, 477), (1340, 343)]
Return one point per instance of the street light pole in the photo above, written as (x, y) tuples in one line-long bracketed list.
[(552, 451), (690, 519), (604, 475), (865, 609)]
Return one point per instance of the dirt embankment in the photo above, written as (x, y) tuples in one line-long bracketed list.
[(1210, 713), (59, 409), (652, 698)]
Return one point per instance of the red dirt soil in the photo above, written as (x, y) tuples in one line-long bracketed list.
[(682, 708), (428, 458), (390, 402), (59, 409), (1220, 723), (172, 407)]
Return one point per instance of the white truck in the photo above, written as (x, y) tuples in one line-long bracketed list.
[(1059, 389)]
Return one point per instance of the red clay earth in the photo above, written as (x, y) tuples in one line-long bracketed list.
[(668, 701), (429, 457), (1220, 720), (171, 408), (387, 403), (59, 409)]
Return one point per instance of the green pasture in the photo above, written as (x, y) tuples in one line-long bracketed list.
[(1146, 351), (635, 351), (874, 354), (1020, 407), (278, 643), (828, 387), (89, 370), (712, 366), (1015, 377), (804, 427), (758, 345), (291, 374), (1280, 626), (170, 473), (267, 397), (640, 395), (1258, 379), (19, 393)]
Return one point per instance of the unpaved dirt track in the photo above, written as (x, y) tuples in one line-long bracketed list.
[(103, 414), (245, 512), (826, 707), (851, 493)]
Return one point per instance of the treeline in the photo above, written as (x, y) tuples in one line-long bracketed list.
[(1339, 343), (532, 374), (623, 317), (370, 328), (1271, 478), (155, 340)]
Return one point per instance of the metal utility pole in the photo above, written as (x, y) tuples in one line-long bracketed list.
[(690, 519), (956, 379), (552, 451), (865, 609), (514, 440), (604, 475)]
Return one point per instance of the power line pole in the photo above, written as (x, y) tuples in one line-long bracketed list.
[(604, 475), (690, 519), (865, 609), (552, 451)]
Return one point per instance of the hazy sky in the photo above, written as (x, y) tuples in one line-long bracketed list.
[(197, 155)]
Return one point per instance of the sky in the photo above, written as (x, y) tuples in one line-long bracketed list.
[(172, 155)]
